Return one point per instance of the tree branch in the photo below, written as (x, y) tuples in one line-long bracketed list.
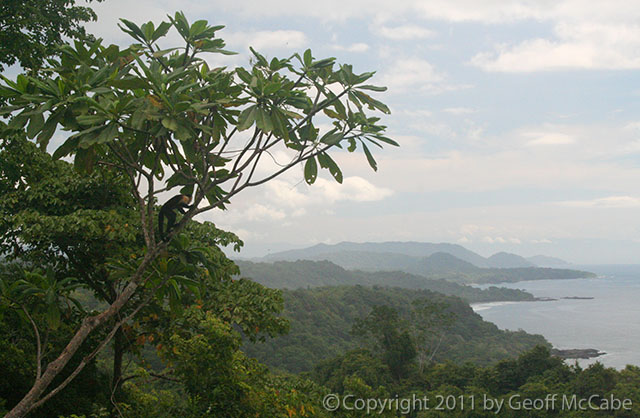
[(100, 346), (38, 343), (27, 403)]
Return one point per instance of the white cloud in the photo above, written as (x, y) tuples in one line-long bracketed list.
[(549, 138), (436, 129), (293, 206), (541, 241), (353, 188), (245, 234), (405, 32), (286, 194), (633, 126), (587, 34), (424, 113), (485, 11), (501, 240), (470, 229), (258, 212), (604, 202), (416, 74), (489, 11), (587, 45), (271, 40), (323, 191), (357, 47), (450, 10), (458, 110), (299, 212)]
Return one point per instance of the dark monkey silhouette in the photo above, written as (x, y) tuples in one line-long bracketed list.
[(168, 210)]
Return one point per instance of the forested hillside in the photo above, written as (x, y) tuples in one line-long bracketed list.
[(321, 322), (303, 274)]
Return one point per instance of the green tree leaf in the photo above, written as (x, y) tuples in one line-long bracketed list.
[(263, 120), (247, 117), (370, 159), (327, 162), (310, 171), (373, 88), (36, 122)]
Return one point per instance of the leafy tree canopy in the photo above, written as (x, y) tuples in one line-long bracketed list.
[(30, 30), (167, 120)]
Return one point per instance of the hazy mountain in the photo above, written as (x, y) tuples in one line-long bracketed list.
[(413, 249), (508, 260), (409, 256), (443, 263), (546, 261), (376, 256)]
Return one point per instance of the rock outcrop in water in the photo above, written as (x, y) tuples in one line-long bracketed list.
[(577, 353)]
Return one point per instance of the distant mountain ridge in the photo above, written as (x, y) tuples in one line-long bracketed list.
[(394, 254), (412, 249), (435, 261), (508, 260)]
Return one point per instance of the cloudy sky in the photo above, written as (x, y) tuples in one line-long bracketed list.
[(519, 122)]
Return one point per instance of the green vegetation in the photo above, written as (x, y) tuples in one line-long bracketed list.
[(32, 29), (303, 274), (321, 322), (18, 365), (532, 385)]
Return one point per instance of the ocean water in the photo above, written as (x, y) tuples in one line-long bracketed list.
[(610, 322)]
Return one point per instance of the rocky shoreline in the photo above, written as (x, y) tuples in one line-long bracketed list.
[(547, 299), (577, 353)]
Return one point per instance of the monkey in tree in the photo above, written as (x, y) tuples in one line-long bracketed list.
[(177, 203)]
